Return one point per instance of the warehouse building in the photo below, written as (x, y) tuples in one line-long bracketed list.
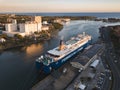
[(82, 61)]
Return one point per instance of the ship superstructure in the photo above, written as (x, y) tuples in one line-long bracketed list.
[(54, 58)]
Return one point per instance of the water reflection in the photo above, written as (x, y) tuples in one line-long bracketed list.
[(34, 49)]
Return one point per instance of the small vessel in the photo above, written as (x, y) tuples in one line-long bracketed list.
[(56, 57)]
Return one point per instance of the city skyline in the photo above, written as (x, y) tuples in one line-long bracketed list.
[(59, 6)]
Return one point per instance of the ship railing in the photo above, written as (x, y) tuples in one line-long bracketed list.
[(38, 60)]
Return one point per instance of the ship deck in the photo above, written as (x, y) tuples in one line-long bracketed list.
[(68, 46), (70, 42)]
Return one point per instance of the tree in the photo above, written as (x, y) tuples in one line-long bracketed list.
[(36, 32), (17, 36), (4, 36)]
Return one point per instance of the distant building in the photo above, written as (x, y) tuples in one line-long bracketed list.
[(29, 28), (45, 27), (12, 15), (45, 23), (37, 19), (62, 20), (14, 21), (23, 29), (9, 19), (11, 27)]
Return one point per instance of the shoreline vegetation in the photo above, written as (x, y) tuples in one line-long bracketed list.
[(114, 33), (37, 37), (51, 18), (6, 18), (19, 41), (109, 20), (115, 37)]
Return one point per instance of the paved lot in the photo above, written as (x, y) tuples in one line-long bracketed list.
[(110, 58), (57, 80), (89, 83)]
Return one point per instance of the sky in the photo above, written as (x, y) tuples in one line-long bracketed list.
[(59, 5)]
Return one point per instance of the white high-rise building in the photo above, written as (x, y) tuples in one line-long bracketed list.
[(23, 29), (37, 19), (11, 27), (14, 21), (29, 28)]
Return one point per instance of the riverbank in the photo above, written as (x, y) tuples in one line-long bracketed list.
[(108, 20), (114, 32), (22, 18), (115, 37), (37, 37), (52, 18)]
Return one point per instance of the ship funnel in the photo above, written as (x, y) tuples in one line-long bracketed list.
[(61, 40), (61, 45)]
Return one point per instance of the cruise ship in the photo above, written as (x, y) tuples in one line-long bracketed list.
[(56, 57)]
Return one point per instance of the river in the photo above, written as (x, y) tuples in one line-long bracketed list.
[(17, 66)]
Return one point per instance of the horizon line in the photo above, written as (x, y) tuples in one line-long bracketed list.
[(60, 12)]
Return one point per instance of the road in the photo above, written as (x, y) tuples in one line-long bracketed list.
[(110, 59), (107, 82)]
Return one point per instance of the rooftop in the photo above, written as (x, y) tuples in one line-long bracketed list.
[(71, 42), (57, 52), (92, 51), (86, 56)]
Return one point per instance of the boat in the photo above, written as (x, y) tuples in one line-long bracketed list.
[(56, 57)]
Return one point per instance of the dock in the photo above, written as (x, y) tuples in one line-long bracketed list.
[(59, 80)]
